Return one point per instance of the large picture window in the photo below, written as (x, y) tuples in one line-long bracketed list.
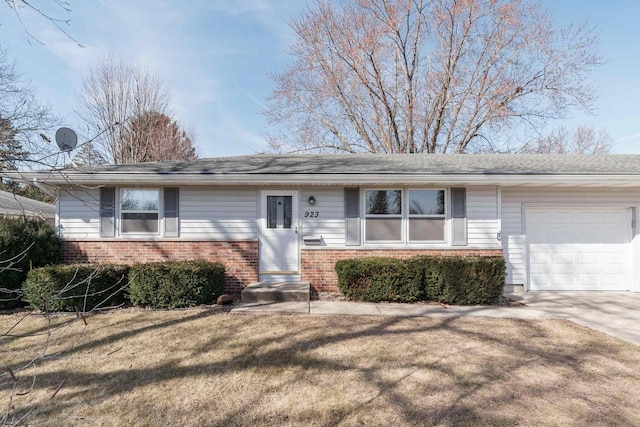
[(139, 211), (383, 210), (388, 220)]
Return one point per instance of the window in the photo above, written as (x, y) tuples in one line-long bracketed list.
[(279, 211), (388, 220), (383, 215), (139, 211), (426, 215)]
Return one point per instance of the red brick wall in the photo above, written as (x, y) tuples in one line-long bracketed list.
[(318, 266), (239, 258)]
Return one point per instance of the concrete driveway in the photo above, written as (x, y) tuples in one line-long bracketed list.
[(614, 313)]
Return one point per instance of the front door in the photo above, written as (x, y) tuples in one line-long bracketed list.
[(279, 247)]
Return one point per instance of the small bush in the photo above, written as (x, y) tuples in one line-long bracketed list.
[(82, 287), (24, 244), (378, 279), (176, 284), (463, 280)]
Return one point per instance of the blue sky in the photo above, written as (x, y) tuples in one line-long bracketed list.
[(215, 57)]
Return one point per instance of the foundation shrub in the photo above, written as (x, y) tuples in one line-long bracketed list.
[(463, 280), (176, 284), (24, 244), (450, 279), (81, 287), (378, 279)]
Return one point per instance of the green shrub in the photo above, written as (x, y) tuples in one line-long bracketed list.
[(463, 280), (24, 244), (379, 279), (82, 287), (176, 284), (450, 280)]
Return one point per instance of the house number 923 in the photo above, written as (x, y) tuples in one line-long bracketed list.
[(311, 214)]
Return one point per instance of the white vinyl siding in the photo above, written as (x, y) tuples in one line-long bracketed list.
[(482, 212), (330, 220), (79, 214), (210, 213), (218, 214), (482, 217), (514, 198)]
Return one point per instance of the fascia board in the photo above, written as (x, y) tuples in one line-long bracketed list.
[(144, 178)]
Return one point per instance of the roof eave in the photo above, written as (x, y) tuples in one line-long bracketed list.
[(61, 178)]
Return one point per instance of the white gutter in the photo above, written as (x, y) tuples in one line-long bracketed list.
[(60, 178)]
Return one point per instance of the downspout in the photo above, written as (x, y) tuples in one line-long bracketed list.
[(43, 188), (499, 214)]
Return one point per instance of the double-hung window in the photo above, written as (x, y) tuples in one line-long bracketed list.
[(426, 215), (383, 215), (405, 216), (139, 213)]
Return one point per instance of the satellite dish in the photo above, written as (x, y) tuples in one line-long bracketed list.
[(66, 139)]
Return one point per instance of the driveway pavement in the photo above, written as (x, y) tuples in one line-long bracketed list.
[(614, 313)]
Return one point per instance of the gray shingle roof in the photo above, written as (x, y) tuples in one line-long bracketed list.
[(491, 164), (11, 204)]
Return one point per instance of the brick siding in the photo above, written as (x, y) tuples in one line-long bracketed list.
[(318, 266), (239, 258)]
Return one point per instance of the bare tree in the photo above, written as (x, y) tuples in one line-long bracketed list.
[(113, 94), (157, 137), (580, 140), (418, 76), (132, 105), (19, 107), (23, 121), (45, 12)]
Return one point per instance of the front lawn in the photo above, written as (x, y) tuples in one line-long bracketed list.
[(205, 367)]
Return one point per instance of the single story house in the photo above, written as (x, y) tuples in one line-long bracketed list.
[(15, 206), (562, 222)]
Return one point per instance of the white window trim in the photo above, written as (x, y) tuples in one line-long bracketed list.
[(404, 217), (120, 211)]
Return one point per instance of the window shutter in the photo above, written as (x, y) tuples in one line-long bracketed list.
[(352, 216), (459, 216), (171, 212), (107, 212)]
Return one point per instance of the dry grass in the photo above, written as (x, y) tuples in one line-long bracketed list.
[(200, 367)]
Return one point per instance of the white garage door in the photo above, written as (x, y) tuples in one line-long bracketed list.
[(579, 249)]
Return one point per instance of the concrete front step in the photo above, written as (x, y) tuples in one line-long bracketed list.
[(266, 292)]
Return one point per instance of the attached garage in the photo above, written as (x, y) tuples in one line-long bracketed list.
[(583, 248)]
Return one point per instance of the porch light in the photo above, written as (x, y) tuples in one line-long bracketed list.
[(311, 200)]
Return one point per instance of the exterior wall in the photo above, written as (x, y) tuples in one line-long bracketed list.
[(318, 265), (208, 213), (482, 216), (329, 223), (514, 200), (79, 214), (239, 258)]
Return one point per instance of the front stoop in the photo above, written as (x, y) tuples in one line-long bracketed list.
[(267, 292)]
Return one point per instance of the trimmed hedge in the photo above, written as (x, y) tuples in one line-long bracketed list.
[(82, 287), (24, 244), (379, 279), (175, 284), (450, 280), (463, 280)]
